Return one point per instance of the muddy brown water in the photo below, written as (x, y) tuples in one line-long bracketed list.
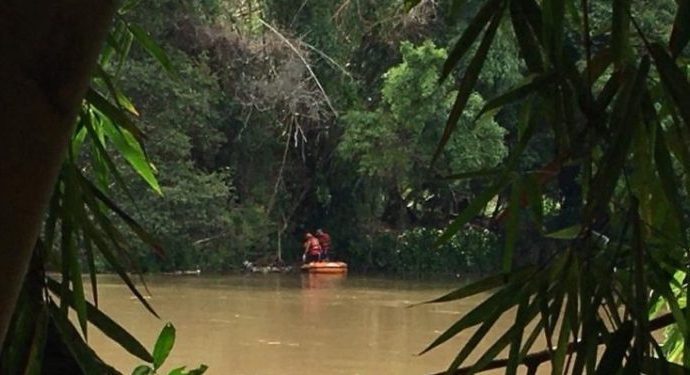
[(290, 324)]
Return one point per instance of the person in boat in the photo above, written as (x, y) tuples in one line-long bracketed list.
[(312, 249), (325, 242)]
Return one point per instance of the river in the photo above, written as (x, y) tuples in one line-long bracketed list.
[(288, 324)]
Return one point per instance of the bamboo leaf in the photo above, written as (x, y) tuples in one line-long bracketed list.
[(70, 256), (673, 80), (512, 226), (496, 304), (620, 29), (469, 36), (616, 347), (133, 224), (625, 119), (130, 148), (121, 99), (164, 345), (484, 285), (532, 84), (665, 291), (667, 178), (476, 338), (514, 354), (113, 113), (34, 363), (143, 370), (569, 317), (469, 80), (84, 356), (78, 288), (151, 47), (506, 338), (470, 211), (553, 31), (97, 239), (108, 326), (521, 12), (103, 154), (88, 249), (653, 365)]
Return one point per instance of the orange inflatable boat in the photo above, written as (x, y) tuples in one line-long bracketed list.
[(325, 267)]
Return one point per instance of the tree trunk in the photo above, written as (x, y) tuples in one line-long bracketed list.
[(48, 50)]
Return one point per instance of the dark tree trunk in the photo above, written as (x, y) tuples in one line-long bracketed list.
[(48, 50)]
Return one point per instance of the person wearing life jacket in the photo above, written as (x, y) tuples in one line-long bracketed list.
[(312, 249), (325, 242)]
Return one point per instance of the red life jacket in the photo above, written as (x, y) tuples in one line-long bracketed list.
[(314, 247), (325, 241)]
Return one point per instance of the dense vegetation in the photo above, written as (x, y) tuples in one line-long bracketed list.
[(284, 120), (265, 120)]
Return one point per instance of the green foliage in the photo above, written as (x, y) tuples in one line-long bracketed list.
[(395, 141), (198, 219), (473, 251), (163, 347)]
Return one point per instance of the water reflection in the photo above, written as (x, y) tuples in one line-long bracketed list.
[(322, 280)]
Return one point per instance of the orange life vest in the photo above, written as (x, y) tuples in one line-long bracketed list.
[(314, 246)]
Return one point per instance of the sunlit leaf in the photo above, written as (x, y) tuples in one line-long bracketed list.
[(121, 99), (113, 113), (164, 344), (143, 370), (129, 147)]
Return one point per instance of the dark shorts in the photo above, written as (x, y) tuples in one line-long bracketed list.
[(312, 258)]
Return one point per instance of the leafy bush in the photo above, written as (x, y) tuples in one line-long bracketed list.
[(411, 253)]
